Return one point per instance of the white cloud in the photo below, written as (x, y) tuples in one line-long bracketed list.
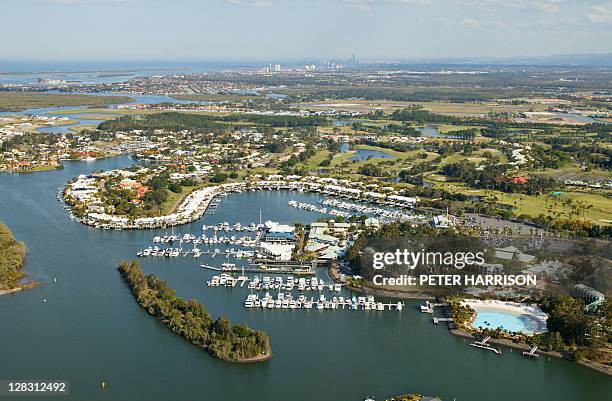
[(600, 14), (548, 24), (549, 6), (470, 23)]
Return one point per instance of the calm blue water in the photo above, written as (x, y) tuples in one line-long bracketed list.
[(62, 129), (86, 75), (275, 96), (429, 131), (91, 329), (342, 123), (101, 71), (364, 154), (150, 99), (81, 118)]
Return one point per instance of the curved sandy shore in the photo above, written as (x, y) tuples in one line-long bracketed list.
[(532, 312)]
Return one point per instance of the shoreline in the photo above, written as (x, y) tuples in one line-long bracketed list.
[(132, 274), (38, 169), (201, 198), (23, 287), (466, 334), (525, 347), (255, 359)]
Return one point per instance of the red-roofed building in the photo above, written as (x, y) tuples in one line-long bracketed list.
[(135, 186), (519, 180)]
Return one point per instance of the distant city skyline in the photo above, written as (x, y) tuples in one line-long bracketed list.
[(286, 30)]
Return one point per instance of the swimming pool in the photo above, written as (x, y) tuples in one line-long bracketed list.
[(527, 319)]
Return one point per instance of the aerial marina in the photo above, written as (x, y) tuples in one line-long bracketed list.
[(287, 301), (83, 192), (219, 200)]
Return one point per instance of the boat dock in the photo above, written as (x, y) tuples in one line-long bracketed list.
[(484, 345), (226, 280), (429, 307), (287, 301), (266, 283), (268, 267), (532, 352), (196, 252)]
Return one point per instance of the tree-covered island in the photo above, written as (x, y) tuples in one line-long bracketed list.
[(12, 258), (220, 338)]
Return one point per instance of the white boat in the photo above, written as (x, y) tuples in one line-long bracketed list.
[(427, 307), (228, 266)]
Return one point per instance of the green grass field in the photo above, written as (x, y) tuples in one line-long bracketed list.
[(17, 101), (174, 199), (590, 206)]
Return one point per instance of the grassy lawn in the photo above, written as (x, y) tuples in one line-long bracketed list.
[(174, 199), (400, 161), (457, 157), (78, 128), (576, 173), (261, 171), (467, 108), (314, 162), (600, 210), (473, 108), (38, 169), (444, 128), (476, 157), (342, 157)]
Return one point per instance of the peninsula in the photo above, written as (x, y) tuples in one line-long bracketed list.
[(17, 101), (221, 339), (12, 258)]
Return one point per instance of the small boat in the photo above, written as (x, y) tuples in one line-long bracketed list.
[(426, 307)]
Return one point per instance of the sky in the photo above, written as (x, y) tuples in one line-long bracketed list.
[(282, 30)]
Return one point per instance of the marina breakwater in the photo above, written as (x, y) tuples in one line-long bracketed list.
[(195, 205)]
